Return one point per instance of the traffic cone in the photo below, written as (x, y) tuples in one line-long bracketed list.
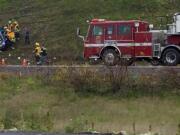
[(3, 61), (24, 62)]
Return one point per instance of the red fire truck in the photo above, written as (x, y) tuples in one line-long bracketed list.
[(126, 41)]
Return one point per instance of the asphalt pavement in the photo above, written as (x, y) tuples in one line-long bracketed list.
[(50, 70)]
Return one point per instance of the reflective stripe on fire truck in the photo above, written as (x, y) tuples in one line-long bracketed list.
[(119, 44)]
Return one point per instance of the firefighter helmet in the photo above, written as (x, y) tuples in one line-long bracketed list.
[(9, 22), (15, 22), (37, 44)]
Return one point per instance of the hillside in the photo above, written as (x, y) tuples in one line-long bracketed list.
[(54, 22)]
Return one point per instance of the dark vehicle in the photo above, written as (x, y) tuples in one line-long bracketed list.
[(2, 41)]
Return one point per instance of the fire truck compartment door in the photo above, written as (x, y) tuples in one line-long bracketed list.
[(143, 44), (125, 39)]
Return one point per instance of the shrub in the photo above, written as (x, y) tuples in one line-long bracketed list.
[(117, 82)]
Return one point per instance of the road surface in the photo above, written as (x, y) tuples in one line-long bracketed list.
[(50, 70), (38, 133)]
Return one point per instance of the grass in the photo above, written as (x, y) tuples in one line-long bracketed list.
[(107, 114), (52, 103), (54, 23)]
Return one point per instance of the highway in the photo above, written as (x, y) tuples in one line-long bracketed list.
[(50, 70), (39, 133), (28, 133)]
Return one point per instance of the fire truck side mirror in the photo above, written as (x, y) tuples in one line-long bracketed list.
[(78, 31), (79, 34)]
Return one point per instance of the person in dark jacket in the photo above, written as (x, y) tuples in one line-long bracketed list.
[(27, 37)]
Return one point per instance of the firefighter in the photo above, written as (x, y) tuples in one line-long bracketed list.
[(16, 30), (43, 57), (37, 52), (10, 37), (10, 41), (27, 37), (10, 25)]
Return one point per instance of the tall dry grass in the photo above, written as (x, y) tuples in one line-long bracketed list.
[(118, 81)]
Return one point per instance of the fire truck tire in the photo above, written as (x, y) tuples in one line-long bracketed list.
[(171, 57), (110, 57)]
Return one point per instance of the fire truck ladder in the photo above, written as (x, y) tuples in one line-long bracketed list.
[(156, 50)]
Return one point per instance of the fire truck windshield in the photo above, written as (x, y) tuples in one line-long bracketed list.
[(97, 31)]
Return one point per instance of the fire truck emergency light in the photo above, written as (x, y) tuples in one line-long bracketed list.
[(136, 24)]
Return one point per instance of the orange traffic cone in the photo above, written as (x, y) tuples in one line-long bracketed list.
[(3, 61), (24, 62)]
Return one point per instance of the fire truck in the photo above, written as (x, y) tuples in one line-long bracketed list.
[(126, 41)]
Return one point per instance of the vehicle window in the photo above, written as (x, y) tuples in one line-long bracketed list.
[(124, 30), (97, 31), (110, 30)]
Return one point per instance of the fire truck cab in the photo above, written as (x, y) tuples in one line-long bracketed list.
[(126, 41)]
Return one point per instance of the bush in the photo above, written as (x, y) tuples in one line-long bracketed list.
[(117, 82), (86, 81)]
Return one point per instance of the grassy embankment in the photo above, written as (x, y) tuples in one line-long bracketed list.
[(74, 102), (54, 23)]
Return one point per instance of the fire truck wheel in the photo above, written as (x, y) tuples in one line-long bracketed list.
[(171, 57), (110, 57)]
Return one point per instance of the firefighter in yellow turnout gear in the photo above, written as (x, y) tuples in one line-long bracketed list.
[(10, 25), (10, 35), (16, 29), (13, 30), (37, 52)]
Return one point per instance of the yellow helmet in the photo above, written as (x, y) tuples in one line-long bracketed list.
[(9, 22), (15, 22), (37, 44)]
